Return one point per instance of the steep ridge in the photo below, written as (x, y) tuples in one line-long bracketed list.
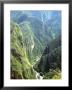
[(20, 65)]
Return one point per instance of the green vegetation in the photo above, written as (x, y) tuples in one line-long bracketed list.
[(35, 45), (53, 74), (20, 65)]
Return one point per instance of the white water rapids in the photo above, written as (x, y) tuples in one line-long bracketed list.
[(38, 76)]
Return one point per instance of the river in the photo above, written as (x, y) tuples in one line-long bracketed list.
[(38, 76)]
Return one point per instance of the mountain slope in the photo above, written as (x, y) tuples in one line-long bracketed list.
[(50, 59), (20, 65), (35, 43)]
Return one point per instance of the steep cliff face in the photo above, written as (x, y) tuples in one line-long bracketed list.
[(50, 61), (20, 65), (28, 39)]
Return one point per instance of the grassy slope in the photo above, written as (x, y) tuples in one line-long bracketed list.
[(20, 66)]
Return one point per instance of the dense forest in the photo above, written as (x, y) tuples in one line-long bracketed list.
[(35, 44)]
